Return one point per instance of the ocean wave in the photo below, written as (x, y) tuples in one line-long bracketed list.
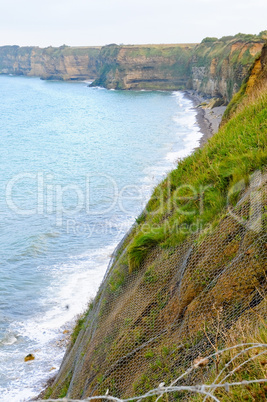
[(75, 280), (9, 339), (188, 135), (45, 335)]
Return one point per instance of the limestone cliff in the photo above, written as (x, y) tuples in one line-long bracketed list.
[(253, 83), (144, 67), (50, 63), (216, 67), (219, 67)]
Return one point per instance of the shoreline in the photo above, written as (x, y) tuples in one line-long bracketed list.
[(208, 120)]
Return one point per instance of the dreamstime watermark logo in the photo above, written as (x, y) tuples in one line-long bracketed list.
[(249, 209)]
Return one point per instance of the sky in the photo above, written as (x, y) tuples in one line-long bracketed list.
[(100, 22)]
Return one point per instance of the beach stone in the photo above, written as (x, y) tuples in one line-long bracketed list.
[(29, 357), (202, 105), (216, 102)]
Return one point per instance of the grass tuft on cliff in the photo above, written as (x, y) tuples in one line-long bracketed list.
[(196, 193)]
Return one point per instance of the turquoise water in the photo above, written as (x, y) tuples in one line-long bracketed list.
[(77, 166)]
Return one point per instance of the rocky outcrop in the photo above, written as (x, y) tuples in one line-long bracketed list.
[(255, 81), (216, 67), (258, 75), (64, 63), (144, 67)]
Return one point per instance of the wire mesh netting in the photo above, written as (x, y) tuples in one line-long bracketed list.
[(160, 329)]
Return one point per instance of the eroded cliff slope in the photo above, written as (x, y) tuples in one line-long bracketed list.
[(190, 277), (216, 67), (145, 67)]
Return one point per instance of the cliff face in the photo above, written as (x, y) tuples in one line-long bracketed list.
[(218, 68), (144, 67), (188, 276), (214, 67), (255, 82), (50, 63)]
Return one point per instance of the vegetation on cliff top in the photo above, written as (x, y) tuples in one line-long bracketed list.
[(240, 37)]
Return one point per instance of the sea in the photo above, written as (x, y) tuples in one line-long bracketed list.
[(77, 166)]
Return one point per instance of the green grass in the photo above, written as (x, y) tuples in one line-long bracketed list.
[(238, 370), (48, 393), (140, 247), (80, 323), (117, 280), (65, 387), (196, 192)]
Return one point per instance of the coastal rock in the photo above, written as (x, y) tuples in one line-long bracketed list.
[(29, 357), (215, 103)]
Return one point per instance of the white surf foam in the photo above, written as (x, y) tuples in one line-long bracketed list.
[(73, 284), (77, 280), (186, 140)]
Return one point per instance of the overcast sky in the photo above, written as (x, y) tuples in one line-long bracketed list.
[(99, 22)]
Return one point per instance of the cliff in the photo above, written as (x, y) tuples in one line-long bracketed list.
[(63, 63), (255, 81), (215, 67), (220, 66), (190, 277), (144, 67)]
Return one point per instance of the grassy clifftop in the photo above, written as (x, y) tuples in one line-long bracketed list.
[(190, 278)]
